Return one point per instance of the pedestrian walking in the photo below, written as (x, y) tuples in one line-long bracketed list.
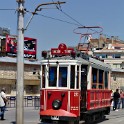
[(112, 102), (3, 100), (119, 101), (116, 97), (122, 98)]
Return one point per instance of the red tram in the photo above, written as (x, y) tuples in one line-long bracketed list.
[(74, 87)]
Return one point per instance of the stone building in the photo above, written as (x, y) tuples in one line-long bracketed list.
[(8, 71), (111, 51)]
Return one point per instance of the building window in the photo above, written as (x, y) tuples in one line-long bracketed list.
[(116, 65), (116, 56), (114, 78), (104, 56), (117, 47)]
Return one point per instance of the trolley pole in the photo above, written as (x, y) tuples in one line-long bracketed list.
[(20, 64)]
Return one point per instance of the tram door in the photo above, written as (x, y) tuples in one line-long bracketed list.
[(83, 87)]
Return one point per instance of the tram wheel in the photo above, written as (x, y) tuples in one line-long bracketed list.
[(63, 122), (46, 121), (88, 119), (76, 122), (102, 116)]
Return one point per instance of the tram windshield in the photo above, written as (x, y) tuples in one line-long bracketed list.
[(52, 76), (60, 76), (61, 73)]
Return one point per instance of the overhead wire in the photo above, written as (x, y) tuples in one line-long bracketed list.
[(60, 9), (54, 18), (7, 9), (57, 19), (58, 6), (82, 35)]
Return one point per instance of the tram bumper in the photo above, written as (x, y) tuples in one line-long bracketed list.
[(57, 115)]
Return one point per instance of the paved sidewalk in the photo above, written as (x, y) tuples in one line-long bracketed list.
[(31, 116)]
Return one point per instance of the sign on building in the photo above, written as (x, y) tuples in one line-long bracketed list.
[(9, 45)]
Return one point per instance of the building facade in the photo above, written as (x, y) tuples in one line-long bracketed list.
[(8, 71)]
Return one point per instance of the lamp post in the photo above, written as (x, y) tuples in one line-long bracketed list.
[(20, 64)]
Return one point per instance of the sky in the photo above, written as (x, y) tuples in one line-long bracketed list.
[(52, 26)]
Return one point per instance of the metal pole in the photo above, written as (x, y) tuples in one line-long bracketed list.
[(20, 64)]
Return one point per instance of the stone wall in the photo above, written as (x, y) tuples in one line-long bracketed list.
[(8, 72), (117, 80)]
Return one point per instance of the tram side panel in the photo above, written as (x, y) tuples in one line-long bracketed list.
[(98, 98), (42, 107), (75, 102)]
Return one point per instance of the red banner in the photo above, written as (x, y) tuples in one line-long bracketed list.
[(61, 50)]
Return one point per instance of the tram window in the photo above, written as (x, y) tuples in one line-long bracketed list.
[(83, 77), (77, 77), (62, 77), (100, 76), (52, 76), (72, 76), (106, 79), (100, 87), (43, 76), (94, 86), (94, 75)]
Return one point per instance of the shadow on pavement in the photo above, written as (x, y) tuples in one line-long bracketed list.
[(13, 122)]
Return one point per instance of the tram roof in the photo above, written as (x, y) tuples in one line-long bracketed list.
[(94, 62), (87, 61), (66, 59)]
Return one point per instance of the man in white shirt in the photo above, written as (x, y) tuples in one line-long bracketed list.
[(3, 100)]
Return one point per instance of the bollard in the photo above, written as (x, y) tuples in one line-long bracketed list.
[(29, 101), (36, 102)]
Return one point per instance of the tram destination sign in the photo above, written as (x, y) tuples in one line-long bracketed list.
[(61, 50)]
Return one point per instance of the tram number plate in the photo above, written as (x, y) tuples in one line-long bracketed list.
[(54, 118)]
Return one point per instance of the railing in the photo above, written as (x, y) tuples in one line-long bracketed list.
[(29, 101)]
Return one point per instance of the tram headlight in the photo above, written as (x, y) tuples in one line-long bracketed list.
[(56, 104)]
